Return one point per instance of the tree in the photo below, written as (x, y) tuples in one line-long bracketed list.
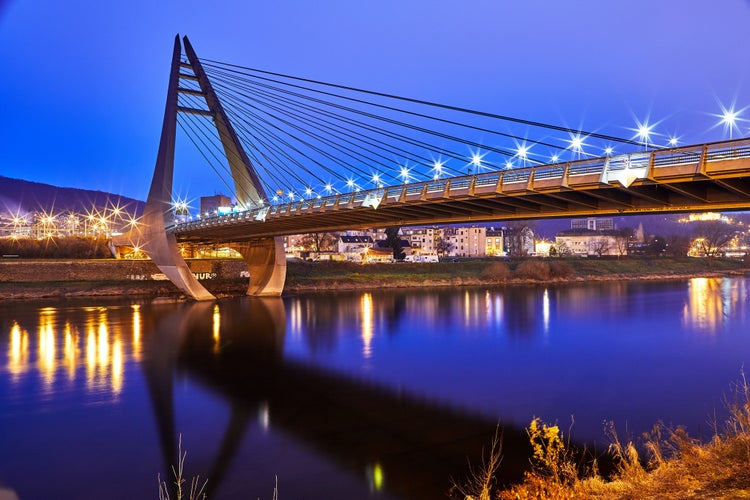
[(656, 245), (319, 242), (677, 245), (622, 240), (712, 238), (393, 240), (519, 237), (563, 250), (599, 246), (443, 246)]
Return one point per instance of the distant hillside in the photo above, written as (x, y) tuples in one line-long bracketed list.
[(19, 196)]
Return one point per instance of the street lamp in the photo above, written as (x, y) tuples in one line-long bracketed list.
[(729, 120)]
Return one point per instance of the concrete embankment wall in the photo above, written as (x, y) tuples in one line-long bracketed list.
[(37, 270)]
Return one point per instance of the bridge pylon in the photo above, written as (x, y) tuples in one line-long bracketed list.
[(265, 257)]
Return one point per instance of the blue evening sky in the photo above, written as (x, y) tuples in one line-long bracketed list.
[(83, 81)]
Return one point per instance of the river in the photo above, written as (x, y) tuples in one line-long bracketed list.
[(359, 395)]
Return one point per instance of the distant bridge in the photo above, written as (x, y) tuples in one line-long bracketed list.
[(304, 131)]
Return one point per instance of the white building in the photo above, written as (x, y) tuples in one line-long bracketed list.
[(354, 247), (585, 243), (466, 241), (423, 240)]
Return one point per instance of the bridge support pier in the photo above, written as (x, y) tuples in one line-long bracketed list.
[(266, 263)]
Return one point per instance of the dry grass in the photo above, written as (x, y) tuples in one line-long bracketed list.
[(197, 489), (481, 480), (676, 466)]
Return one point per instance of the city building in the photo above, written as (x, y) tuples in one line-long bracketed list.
[(423, 239), (465, 241), (215, 205), (353, 247), (494, 242), (593, 224)]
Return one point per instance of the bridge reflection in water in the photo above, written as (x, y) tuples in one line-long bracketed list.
[(407, 446)]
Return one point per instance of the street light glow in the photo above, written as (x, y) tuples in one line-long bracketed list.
[(405, 174), (476, 159), (729, 118), (644, 132), (673, 141), (608, 150), (576, 143)]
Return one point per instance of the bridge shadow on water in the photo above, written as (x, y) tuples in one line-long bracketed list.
[(418, 445)]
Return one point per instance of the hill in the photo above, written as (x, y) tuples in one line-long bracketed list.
[(20, 196)]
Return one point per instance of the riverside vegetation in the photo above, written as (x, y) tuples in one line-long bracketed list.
[(666, 464), (310, 276), (303, 276)]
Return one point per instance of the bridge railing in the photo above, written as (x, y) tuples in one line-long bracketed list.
[(545, 172), (586, 167), (631, 160), (734, 150), (583, 171)]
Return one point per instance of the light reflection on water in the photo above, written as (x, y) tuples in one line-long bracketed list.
[(713, 302), (56, 350), (339, 376)]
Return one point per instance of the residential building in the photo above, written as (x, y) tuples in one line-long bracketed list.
[(494, 242), (354, 247), (466, 241), (424, 239)]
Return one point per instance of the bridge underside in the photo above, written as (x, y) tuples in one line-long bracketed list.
[(682, 181)]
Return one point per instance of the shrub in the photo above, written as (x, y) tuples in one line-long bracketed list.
[(496, 271), (533, 269), (560, 269)]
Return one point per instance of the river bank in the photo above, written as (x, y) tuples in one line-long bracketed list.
[(28, 279)]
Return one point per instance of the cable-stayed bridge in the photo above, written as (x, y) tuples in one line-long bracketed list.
[(301, 155)]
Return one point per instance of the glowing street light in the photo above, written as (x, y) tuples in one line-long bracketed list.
[(404, 174), (508, 164), (673, 141), (350, 183), (329, 188), (555, 158), (643, 132), (438, 168), (608, 150), (576, 144), (476, 161), (729, 119)]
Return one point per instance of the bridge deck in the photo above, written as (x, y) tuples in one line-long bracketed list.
[(694, 178)]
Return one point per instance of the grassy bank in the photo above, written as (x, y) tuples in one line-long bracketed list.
[(305, 276), (341, 276), (670, 465)]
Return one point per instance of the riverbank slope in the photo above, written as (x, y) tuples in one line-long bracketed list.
[(26, 279)]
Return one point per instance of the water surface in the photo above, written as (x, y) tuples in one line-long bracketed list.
[(353, 395)]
